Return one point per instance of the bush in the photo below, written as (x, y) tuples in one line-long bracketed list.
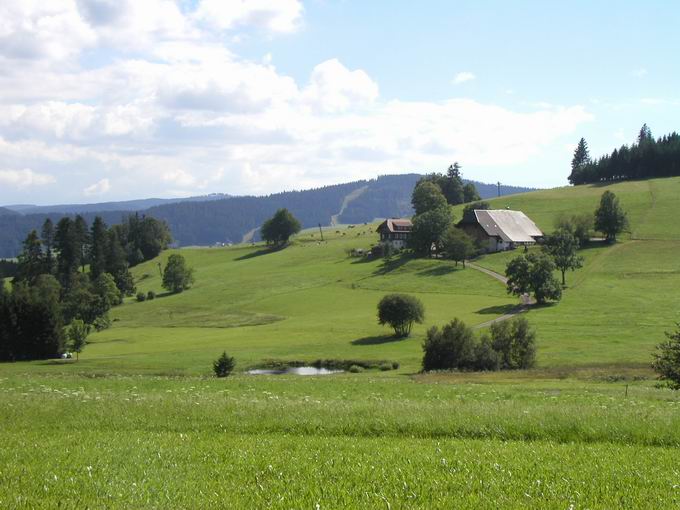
[(400, 312), (667, 359), (511, 345), (224, 365), (451, 347), (515, 344), (141, 297), (101, 323), (384, 367), (356, 369), (150, 295), (395, 365), (486, 358)]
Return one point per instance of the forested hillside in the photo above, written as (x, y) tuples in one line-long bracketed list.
[(209, 221)]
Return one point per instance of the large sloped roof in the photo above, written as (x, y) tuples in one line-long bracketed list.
[(510, 226)]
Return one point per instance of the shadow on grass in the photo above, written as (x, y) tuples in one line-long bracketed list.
[(439, 270), (392, 264), (377, 340), (263, 251), (497, 310)]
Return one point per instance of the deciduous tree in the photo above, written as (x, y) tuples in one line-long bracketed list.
[(427, 196), (533, 273), (428, 229), (177, 275), (562, 246), (610, 218), (280, 227), (457, 244), (400, 311)]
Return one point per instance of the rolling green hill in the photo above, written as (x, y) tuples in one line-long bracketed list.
[(311, 300)]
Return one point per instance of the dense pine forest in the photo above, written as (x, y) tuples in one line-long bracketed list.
[(647, 157)]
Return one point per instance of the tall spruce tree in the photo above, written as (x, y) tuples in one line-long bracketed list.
[(645, 135), (579, 161), (47, 238), (99, 239), (31, 263), (82, 238), (65, 243)]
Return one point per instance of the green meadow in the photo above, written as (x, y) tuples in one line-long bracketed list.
[(140, 422)]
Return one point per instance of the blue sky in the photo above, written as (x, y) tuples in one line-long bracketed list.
[(115, 99)]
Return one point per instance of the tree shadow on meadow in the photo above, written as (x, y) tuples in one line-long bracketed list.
[(260, 252), (497, 310), (440, 270), (392, 264), (377, 340)]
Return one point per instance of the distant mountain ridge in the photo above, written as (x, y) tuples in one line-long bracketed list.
[(208, 220), (127, 205)]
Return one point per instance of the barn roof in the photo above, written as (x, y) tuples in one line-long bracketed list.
[(510, 226), (396, 225)]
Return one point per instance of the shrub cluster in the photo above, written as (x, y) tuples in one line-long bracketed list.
[(509, 345)]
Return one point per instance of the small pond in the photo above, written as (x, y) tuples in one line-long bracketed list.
[(293, 371)]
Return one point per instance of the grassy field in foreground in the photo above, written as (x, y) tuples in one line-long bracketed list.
[(342, 441)]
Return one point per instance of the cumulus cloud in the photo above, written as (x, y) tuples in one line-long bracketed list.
[(98, 188), (462, 77), (42, 30), (25, 178), (169, 108), (334, 88), (278, 16)]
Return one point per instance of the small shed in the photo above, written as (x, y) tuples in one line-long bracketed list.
[(500, 229)]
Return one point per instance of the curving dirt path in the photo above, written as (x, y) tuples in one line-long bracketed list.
[(521, 308)]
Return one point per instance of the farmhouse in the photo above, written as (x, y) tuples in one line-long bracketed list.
[(395, 232), (500, 229)]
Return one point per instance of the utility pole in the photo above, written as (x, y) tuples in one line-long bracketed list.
[(321, 232), (499, 188)]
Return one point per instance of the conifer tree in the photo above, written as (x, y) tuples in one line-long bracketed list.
[(47, 238), (31, 263), (68, 258), (82, 238), (579, 161), (99, 238)]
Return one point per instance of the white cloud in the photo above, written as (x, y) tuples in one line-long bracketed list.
[(640, 72), (24, 178), (169, 108), (334, 88), (276, 16), (34, 30), (98, 188), (462, 77)]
